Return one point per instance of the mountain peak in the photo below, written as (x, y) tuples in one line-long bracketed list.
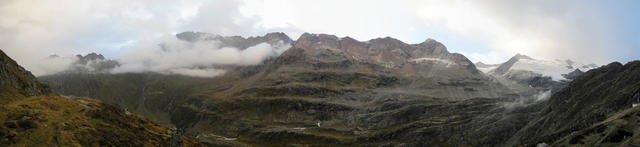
[(314, 41), (387, 42), (276, 36), (573, 75), (435, 46), (430, 41), (519, 56), (90, 56), (505, 67)]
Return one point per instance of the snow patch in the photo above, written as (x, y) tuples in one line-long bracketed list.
[(420, 60), (551, 68), (487, 69)]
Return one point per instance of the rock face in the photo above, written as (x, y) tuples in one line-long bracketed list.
[(31, 115), (426, 67), (17, 82), (590, 98)]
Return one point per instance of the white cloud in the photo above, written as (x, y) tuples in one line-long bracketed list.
[(542, 29), (174, 56)]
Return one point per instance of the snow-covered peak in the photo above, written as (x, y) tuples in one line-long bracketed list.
[(552, 68)]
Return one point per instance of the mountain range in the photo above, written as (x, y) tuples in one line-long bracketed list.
[(330, 91)]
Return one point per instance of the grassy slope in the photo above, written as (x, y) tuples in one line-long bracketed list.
[(55, 120)]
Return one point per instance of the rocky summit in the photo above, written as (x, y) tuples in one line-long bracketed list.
[(337, 91)]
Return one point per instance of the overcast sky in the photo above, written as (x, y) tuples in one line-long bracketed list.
[(489, 31)]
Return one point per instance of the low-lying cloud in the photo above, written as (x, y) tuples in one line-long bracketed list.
[(200, 58), (32, 30)]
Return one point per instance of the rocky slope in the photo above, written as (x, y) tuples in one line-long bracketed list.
[(16, 82), (589, 99), (620, 129), (31, 115), (320, 61)]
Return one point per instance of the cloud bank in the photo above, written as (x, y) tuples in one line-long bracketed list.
[(174, 56)]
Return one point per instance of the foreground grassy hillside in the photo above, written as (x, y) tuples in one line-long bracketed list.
[(59, 121)]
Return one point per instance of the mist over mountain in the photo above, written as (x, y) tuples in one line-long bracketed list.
[(334, 73), (189, 53), (324, 90), (198, 55)]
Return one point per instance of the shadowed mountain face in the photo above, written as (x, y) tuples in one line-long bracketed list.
[(588, 100), (31, 115)]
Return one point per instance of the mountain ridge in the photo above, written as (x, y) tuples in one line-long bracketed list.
[(17, 81)]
